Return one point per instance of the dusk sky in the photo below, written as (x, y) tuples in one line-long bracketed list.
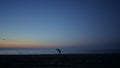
[(66, 24)]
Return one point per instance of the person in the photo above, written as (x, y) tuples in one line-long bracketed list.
[(59, 51), (3, 39), (58, 56)]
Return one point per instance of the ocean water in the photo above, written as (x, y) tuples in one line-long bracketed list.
[(26, 51), (53, 51)]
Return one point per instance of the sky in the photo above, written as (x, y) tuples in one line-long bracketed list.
[(66, 24)]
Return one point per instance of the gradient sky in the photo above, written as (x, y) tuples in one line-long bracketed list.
[(39, 23)]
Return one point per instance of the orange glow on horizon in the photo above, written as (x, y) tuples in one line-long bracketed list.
[(23, 44), (29, 44)]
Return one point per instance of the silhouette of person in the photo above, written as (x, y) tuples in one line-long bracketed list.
[(3, 39), (59, 51), (58, 58)]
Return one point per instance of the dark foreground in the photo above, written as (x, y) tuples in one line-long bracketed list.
[(61, 61)]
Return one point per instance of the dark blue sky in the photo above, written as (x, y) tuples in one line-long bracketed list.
[(62, 22)]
